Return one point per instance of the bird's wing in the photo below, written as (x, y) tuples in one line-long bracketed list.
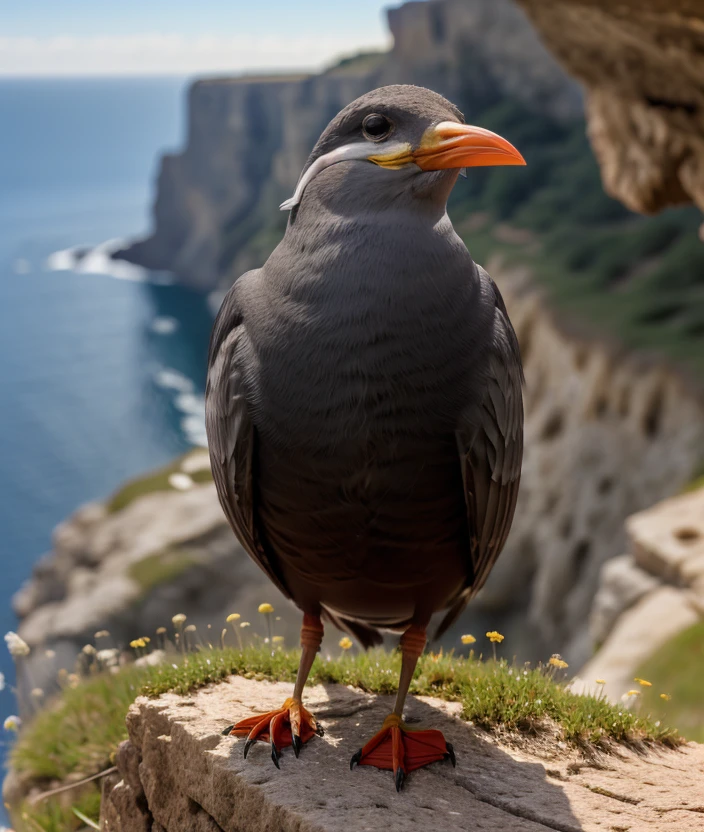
[(232, 436), (490, 444)]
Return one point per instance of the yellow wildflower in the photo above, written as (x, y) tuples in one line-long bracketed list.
[(494, 637), (190, 629), (265, 608), (468, 639), (233, 616), (245, 624), (600, 681), (178, 619), (102, 634), (278, 639), (161, 631), (136, 643), (665, 696), (633, 693), (643, 683), (345, 643), (556, 660)]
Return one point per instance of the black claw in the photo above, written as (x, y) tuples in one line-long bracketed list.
[(355, 759), (451, 754), (400, 777), (275, 755), (297, 744), (247, 746), (227, 731), (319, 730)]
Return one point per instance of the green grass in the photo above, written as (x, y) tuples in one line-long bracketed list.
[(55, 816), (160, 568), (154, 481), (677, 670), (78, 734)]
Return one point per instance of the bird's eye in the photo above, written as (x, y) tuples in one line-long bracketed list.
[(376, 127)]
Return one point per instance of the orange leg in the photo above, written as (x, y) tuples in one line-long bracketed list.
[(397, 747), (291, 724)]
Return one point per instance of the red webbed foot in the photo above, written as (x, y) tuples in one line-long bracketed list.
[(291, 724), (401, 749)]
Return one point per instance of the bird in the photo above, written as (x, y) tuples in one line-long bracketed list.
[(364, 404)]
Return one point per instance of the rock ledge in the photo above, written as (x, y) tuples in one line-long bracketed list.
[(177, 773)]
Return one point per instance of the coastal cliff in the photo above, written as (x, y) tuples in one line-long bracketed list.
[(216, 211)]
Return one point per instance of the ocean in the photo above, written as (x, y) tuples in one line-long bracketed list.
[(102, 370)]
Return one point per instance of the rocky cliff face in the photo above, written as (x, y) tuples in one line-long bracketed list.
[(606, 435), (249, 138), (642, 63)]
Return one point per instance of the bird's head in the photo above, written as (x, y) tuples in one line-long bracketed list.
[(395, 141)]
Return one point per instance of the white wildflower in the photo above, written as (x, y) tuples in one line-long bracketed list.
[(12, 723), (17, 646)]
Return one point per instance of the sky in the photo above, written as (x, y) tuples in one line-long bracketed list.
[(183, 37)]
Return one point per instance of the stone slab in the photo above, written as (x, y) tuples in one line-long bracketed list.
[(192, 779)]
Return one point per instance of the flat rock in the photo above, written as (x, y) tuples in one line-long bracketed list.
[(191, 778), (667, 540)]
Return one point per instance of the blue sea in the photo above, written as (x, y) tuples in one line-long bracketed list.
[(93, 367)]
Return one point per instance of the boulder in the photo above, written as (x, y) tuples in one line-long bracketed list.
[(179, 774)]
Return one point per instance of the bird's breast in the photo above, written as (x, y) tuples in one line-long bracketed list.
[(353, 353)]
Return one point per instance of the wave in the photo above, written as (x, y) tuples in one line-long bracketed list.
[(99, 260)]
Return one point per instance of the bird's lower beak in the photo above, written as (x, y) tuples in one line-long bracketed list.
[(453, 145)]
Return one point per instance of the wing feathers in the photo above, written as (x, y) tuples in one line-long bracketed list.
[(490, 443)]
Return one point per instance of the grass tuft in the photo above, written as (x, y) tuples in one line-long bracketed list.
[(154, 481)]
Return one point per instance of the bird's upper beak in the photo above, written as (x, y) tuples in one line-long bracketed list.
[(453, 145)]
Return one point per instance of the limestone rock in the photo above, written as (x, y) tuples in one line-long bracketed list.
[(622, 583), (642, 63), (605, 436), (195, 779), (667, 540)]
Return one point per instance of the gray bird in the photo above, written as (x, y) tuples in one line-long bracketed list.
[(363, 404)]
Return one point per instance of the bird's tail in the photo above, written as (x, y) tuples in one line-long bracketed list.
[(365, 635)]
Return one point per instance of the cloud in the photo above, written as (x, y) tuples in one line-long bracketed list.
[(150, 54)]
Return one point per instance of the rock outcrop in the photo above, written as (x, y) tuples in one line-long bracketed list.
[(606, 435), (248, 138), (649, 595), (642, 64), (177, 772), (130, 571)]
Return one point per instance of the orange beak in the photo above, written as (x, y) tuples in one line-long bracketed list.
[(452, 145)]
